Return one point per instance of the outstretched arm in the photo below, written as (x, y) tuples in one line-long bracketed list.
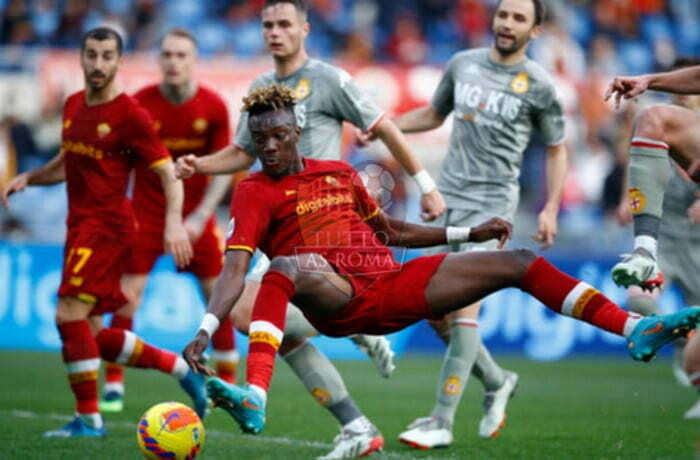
[(394, 232), (228, 160), (227, 289), (682, 81), (51, 173), (418, 120)]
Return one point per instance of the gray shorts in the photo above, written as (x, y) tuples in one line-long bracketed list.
[(679, 260), (465, 218)]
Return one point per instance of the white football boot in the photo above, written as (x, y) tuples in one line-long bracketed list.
[(427, 433), (378, 348), (355, 443), (495, 403), (638, 269)]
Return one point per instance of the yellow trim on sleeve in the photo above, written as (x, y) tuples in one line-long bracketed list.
[(242, 247), (159, 162), (374, 213)]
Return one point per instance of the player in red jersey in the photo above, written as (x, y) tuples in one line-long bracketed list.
[(328, 238), (105, 133), (190, 119)]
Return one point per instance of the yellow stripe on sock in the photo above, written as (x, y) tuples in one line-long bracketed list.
[(264, 337), (136, 354), (79, 377), (582, 301), (225, 366)]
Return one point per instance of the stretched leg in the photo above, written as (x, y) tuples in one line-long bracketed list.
[(82, 360), (113, 391), (660, 132), (126, 348), (223, 341)]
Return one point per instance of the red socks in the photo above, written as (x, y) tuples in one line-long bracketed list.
[(82, 359), (225, 355), (267, 327), (124, 347), (568, 296), (114, 373)]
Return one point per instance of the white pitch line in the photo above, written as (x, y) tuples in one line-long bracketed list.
[(213, 433)]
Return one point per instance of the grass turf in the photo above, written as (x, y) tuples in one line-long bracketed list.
[(587, 408)]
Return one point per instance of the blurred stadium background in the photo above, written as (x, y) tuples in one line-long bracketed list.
[(396, 51)]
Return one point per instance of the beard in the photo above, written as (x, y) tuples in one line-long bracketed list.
[(515, 46), (106, 79)]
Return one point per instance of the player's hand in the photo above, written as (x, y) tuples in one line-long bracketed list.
[(186, 166), (623, 213), (178, 244), (17, 184), (493, 229), (694, 210), (194, 225), (626, 88), (432, 205), (363, 139), (546, 228), (193, 354)]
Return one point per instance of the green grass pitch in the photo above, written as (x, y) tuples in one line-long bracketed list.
[(582, 408)]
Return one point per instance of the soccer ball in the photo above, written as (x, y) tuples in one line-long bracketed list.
[(170, 430)]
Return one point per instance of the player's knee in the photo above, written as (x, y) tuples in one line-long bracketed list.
[(241, 318), (289, 344), (522, 258), (69, 309), (285, 265)]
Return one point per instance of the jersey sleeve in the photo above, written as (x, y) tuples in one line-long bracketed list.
[(243, 138), (250, 217), (221, 134), (365, 205), (348, 102), (549, 118), (143, 140), (443, 98)]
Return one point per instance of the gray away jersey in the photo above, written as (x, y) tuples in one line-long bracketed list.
[(496, 108), (326, 96), (678, 197)]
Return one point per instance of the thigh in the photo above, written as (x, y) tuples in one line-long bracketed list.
[(146, 247), (320, 290), (94, 264), (465, 278)]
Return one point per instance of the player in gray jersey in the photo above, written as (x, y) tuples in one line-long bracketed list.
[(678, 253), (327, 97), (498, 98)]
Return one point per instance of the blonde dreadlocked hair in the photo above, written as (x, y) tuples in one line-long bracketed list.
[(271, 97)]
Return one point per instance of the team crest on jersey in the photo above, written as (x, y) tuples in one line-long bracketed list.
[(103, 130), (452, 385), (302, 90), (67, 123), (157, 125), (637, 200), (231, 228), (200, 124), (520, 84), (332, 181)]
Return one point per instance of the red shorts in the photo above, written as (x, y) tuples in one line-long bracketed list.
[(93, 264), (384, 304), (208, 257)]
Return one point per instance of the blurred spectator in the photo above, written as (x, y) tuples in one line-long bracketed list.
[(406, 45), (70, 25), (16, 26)]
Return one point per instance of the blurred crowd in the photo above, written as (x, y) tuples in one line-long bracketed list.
[(584, 43)]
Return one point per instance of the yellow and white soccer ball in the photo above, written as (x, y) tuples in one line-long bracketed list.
[(170, 430)]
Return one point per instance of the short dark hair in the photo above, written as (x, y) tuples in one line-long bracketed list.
[(301, 5), (100, 34), (180, 32), (269, 98), (540, 11)]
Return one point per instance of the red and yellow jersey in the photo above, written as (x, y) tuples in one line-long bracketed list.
[(101, 144), (322, 210), (199, 126)]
